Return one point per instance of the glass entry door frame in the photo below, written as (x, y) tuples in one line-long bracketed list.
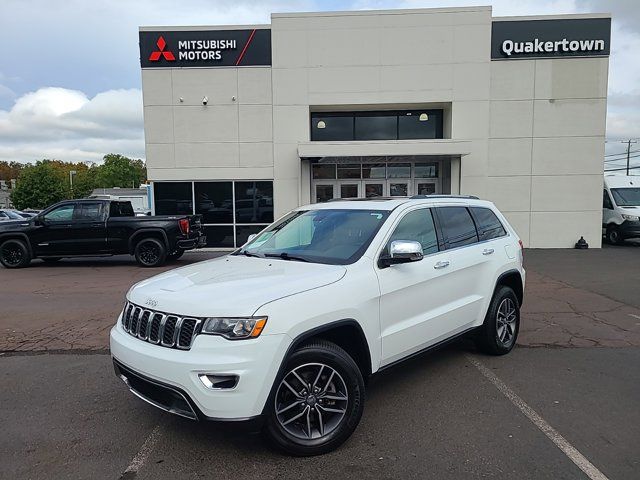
[(324, 188)]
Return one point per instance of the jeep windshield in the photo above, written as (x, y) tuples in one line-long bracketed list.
[(330, 236)]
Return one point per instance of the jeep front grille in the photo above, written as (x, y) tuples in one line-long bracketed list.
[(160, 328)]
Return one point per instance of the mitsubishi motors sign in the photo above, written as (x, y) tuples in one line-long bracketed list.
[(205, 48)]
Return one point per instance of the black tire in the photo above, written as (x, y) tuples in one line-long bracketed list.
[(150, 252), (492, 339), (613, 235), (14, 253), (315, 362), (51, 259), (176, 255)]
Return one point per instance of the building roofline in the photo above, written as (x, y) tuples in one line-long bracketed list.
[(565, 16), (395, 11), (187, 28)]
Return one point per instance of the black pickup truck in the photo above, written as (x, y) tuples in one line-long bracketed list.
[(97, 228)]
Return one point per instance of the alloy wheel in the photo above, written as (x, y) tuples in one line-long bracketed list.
[(506, 321), (149, 253), (311, 401), (12, 254)]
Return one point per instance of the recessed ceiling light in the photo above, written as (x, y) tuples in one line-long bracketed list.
[(321, 124), (423, 117)]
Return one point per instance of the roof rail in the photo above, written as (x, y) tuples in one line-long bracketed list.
[(423, 197)]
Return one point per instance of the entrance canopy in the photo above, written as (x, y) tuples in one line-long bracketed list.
[(442, 147)]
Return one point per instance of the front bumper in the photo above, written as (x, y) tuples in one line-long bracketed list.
[(168, 378), (629, 229)]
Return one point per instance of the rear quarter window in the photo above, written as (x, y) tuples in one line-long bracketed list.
[(489, 226)]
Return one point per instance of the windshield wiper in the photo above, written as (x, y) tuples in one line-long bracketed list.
[(285, 256), (247, 253)]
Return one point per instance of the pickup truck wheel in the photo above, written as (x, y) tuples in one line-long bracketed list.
[(14, 254), (176, 255), (499, 332), (150, 252), (318, 401)]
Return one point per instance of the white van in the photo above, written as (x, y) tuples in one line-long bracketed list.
[(621, 208)]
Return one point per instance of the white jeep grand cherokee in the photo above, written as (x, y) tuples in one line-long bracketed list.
[(288, 328)]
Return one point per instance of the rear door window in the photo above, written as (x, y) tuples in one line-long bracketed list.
[(88, 212), (458, 228), (489, 226)]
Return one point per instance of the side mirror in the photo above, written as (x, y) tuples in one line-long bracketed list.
[(403, 251), (38, 220)]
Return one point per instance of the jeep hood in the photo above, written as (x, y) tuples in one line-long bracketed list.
[(230, 285)]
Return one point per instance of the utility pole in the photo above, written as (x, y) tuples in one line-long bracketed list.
[(628, 142)]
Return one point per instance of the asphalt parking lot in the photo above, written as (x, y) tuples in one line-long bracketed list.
[(452, 413)]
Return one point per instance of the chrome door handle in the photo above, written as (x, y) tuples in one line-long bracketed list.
[(487, 251), (442, 264)]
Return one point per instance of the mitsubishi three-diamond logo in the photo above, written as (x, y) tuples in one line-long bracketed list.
[(161, 44)]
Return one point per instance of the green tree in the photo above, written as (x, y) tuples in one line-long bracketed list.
[(120, 171), (10, 170), (40, 185)]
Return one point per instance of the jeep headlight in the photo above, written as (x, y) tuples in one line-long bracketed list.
[(234, 328), (631, 218)]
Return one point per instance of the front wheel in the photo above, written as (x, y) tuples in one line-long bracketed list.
[(318, 401), (150, 252), (613, 235), (14, 253), (499, 332)]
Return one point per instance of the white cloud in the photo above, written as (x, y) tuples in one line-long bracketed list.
[(67, 125)]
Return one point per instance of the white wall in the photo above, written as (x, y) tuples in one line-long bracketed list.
[(546, 148)]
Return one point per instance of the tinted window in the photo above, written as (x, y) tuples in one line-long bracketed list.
[(121, 209), (214, 201), (417, 226), (243, 232), (63, 213), (331, 127), (425, 170), (324, 171), (349, 170), (221, 236), (488, 224), (376, 128), (427, 124), (173, 198), (254, 202), (457, 225), (606, 201), (88, 212)]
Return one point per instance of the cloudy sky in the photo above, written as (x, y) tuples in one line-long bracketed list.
[(70, 75)]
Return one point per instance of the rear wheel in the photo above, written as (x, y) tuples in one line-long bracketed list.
[(318, 402), (150, 252), (14, 253), (499, 332)]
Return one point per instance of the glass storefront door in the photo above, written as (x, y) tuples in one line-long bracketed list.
[(386, 177), (398, 188), (323, 192)]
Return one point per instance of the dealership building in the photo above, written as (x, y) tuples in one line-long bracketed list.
[(244, 123)]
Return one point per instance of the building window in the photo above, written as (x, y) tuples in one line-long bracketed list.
[(173, 198), (231, 210), (377, 125)]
